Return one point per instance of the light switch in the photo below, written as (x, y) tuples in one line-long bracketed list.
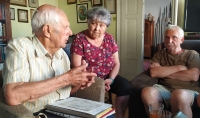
[(114, 18)]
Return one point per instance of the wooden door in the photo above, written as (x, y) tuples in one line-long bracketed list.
[(130, 37)]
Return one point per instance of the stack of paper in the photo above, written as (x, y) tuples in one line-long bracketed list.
[(82, 108)]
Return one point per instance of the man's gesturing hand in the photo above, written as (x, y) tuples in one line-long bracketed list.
[(78, 76)]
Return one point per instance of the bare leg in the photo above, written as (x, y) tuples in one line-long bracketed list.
[(181, 101), (121, 103), (149, 95)]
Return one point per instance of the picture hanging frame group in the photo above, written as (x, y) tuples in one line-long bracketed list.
[(22, 15), (12, 13), (81, 10), (110, 5), (84, 0), (19, 2), (33, 3), (32, 11), (71, 1), (96, 3)]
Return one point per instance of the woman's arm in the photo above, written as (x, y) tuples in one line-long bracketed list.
[(76, 60), (113, 72)]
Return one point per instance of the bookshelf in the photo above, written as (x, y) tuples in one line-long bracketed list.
[(5, 27)]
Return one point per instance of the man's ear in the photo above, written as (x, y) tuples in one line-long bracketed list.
[(182, 39), (46, 30)]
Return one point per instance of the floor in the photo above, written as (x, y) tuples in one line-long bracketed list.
[(146, 63), (145, 67), (113, 101)]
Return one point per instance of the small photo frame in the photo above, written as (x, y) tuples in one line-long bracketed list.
[(32, 11), (19, 2), (71, 1), (12, 13), (33, 3), (110, 5), (22, 15), (84, 0), (96, 3), (81, 10)]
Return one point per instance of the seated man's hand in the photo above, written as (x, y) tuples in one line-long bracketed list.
[(78, 76), (181, 67), (154, 65)]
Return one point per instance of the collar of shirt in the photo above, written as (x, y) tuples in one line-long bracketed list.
[(41, 51)]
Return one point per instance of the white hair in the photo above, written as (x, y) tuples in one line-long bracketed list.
[(175, 27), (42, 17), (100, 14)]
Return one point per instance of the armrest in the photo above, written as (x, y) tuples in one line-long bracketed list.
[(95, 92), (143, 80), (18, 111)]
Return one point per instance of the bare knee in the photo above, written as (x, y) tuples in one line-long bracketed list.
[(181, 97), (150, 94)]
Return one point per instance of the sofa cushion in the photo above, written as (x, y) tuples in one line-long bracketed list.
[(191, 45)]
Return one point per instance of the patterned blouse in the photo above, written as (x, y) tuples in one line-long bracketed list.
[(100, 59)]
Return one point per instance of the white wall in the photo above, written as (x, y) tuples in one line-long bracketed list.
[(155, 6)]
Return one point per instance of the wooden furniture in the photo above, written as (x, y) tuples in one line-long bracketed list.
[(5, 27), (5, 20), (148, 37)]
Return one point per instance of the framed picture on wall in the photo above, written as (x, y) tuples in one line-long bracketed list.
[(22, 15), (84, 0), (96, 3), (12, 13), (33, 3), (32, 11), (71, 1), (81, 10), (110, 5), (19, 2)]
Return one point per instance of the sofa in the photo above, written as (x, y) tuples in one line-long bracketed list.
[(136, 107)]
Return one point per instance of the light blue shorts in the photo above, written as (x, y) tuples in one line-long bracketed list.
[(166, 94)]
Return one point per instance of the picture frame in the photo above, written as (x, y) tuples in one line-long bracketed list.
[(32, 11), (19, 2), (71, 1), (33, 3), (96, 3), (81, 10), (22, 15), (12, 13), (84, 0), (110, 5)]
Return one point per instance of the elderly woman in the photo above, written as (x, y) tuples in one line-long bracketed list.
[(100, 51)]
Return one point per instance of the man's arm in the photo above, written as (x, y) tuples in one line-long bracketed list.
[(19, 92), (157, 71), (186, 75)]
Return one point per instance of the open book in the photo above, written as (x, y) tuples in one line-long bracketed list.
[(79, 107)]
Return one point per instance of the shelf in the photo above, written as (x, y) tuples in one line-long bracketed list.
[(192, 37)]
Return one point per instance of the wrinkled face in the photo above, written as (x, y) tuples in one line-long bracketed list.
[(173, 40), (96, 28), (61, 33)]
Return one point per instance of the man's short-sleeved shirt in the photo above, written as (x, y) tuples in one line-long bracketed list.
[(188, 58), (100, 59), (28, 61)]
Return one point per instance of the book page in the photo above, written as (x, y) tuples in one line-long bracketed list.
[(82, 105)]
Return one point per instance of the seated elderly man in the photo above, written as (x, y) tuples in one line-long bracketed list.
[(178, 71), (37, 70)]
